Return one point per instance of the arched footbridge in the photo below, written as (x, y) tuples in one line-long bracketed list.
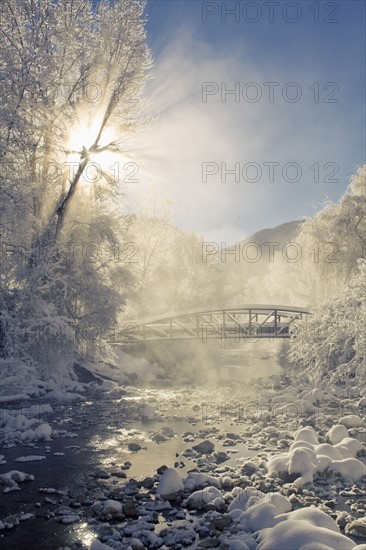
[(249, 322)]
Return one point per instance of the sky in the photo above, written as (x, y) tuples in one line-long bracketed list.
[(288, 136)]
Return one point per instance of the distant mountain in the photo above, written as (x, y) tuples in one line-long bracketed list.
[(284, 233)]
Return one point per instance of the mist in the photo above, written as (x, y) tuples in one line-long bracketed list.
[(197, 120)]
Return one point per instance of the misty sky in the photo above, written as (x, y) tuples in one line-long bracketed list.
[(316, 124)]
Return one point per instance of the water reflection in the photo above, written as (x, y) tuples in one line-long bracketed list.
[(83, 533)]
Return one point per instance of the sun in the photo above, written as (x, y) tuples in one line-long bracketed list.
[(105, 162), (81, 137)]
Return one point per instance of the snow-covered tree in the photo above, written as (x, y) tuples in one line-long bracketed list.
[(334, 239), (71, 77), (331, 343)]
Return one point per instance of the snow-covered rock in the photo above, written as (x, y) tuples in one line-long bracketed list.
[(147, 413), (308, 435), (306, 458), (170, 483), (302, 535), (11, 479), (204, 498), (263, 513), (351, 421), (337, 433), (112, 507), (43, 432), (97, 545), (109, 385), (29, 458), (349, 447), (349, 467), (362, 403), (197, 480), (300, 462)]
